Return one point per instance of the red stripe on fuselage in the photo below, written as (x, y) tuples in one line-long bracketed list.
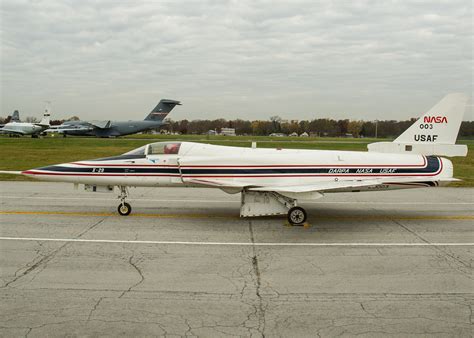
[(258, 166), (322, 175), (31, 172), (98, 165), (311, 165)]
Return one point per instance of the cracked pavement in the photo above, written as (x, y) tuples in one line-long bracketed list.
[(125, 289)]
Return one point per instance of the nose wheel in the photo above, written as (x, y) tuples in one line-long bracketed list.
[(296, 216), (124, 209)]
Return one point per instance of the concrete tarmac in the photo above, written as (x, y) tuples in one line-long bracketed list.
[(184, 264)]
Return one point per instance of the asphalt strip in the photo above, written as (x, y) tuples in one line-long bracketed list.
[(336, 244)]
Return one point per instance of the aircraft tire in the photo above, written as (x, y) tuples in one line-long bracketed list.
[(124, 209), (296, 216)]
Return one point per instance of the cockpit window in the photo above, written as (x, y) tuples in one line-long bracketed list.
[(138, 151), (163, 148)]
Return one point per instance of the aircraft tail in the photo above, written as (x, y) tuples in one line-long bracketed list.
[(15, 116), (45, 121), (163, 108), (434, 133), (440, 124)]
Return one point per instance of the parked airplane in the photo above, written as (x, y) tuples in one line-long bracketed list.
[(272, 181), (26, 128), (109, 128), (15, 117)]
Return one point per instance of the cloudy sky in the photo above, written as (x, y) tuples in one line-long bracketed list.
[(114, 59)]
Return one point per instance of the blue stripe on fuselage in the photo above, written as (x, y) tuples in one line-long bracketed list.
[(433, 165)]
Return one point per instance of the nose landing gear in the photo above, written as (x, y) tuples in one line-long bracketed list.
[(124, 209)]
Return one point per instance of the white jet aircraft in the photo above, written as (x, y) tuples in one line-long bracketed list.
[(27, 128), (271, 181)]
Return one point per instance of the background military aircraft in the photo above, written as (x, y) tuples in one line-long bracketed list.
[(107, 128), (15, 117), (14, 127)]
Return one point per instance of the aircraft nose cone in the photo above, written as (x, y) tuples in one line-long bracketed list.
[(29, 172), (39, 171)]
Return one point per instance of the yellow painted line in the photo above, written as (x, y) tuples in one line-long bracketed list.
[(108, 214), (362, 217)]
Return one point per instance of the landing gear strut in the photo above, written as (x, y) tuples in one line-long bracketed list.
[(266, 203), (124, 208)]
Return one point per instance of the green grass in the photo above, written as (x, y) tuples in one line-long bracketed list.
[(26, 153)]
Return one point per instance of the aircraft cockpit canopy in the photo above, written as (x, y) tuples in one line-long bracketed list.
[(163, 148), (157, 148)]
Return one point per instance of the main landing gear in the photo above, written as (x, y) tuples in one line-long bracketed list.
[(267, 203), (296, 216), (124, 209)]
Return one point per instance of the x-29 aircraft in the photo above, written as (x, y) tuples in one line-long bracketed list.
[(109, 128), (272, 181)]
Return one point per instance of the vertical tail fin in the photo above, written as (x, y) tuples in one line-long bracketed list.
[(45, 120), (434, 133), (163, 108), (15, 116), (440, 124)]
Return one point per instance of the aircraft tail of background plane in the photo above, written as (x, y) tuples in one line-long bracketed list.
[(15, 116), (434, 133), (45, 120), (163, 108)]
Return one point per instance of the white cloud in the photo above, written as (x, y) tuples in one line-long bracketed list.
[(302, 59)]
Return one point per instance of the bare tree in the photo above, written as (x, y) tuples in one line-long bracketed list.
[(31, 119)]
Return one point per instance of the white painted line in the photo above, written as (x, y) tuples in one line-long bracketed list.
[(80, 240), (231, 201)]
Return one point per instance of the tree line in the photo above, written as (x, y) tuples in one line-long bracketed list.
[(316, 127)]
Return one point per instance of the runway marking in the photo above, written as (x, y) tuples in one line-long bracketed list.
[(231, 201), (323, 217), (80, 240), (109, 214)]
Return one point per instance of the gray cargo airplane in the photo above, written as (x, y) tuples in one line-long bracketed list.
[(109, 128)]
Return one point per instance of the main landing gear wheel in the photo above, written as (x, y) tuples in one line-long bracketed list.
[(296, 216), (124, 209)]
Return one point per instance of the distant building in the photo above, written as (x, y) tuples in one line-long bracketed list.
[(228, 131)]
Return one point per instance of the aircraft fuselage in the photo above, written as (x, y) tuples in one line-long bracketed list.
[(115, 129), (227, 167)]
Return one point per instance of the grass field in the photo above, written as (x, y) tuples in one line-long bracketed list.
[(26, 153)]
